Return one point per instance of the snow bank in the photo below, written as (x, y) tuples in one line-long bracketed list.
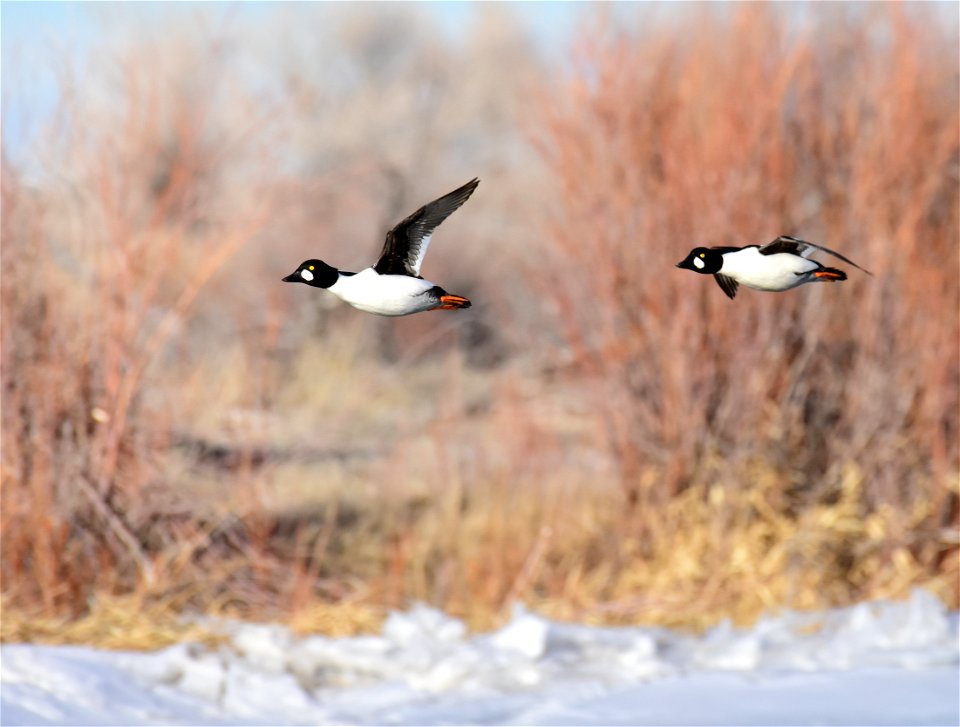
[(878, 663)]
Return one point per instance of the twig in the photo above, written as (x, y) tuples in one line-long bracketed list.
[(526, 574), (119, 529)]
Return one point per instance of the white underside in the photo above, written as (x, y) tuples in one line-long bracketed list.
[(385, 295), (781, 271)]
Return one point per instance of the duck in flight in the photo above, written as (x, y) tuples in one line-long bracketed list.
[(776, 266), (394, 286)]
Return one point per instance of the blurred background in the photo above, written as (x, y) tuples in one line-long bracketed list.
[(601, 437)]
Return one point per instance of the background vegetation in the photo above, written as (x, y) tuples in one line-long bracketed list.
[(601, 436)]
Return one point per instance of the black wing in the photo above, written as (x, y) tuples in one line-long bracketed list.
[(727, 284), (406, 244), (792, 245)]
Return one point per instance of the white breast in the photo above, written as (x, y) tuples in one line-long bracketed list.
[(385, 295), (781, 271)]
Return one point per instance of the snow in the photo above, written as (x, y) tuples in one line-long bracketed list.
[(874, 663)]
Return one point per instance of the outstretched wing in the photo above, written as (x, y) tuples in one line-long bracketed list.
[(785, 243), (406, 244), (727, 284)]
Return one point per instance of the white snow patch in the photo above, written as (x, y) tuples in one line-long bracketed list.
[(876, 663)]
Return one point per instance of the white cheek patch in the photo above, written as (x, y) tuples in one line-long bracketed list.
[(699, 263), (306, 275)]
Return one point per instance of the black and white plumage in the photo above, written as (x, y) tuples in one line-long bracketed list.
[(394, 286), (779, 265)]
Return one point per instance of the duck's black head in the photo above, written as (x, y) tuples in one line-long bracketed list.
[(702, 260), (314, 272)]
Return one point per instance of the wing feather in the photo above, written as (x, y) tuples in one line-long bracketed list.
[(407, 243), (792, 245), (727, 284)]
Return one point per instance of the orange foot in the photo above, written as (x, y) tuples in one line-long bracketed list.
[(453, 302), (830, 274)]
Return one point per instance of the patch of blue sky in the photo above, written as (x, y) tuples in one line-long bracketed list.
[(43, 39), (32, 36), (37, 35)]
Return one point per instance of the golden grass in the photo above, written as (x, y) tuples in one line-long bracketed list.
[(715, 553), (113, 622), (137, 624)]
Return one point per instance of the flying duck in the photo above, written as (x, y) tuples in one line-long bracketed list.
[(394, 286), (779, 265)]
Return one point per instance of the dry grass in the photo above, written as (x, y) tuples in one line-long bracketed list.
[(602, 437)]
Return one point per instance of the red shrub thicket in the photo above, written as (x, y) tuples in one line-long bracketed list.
[(731, 130)]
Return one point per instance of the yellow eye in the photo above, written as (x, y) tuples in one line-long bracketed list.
[(311, 267), (701, 255)]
